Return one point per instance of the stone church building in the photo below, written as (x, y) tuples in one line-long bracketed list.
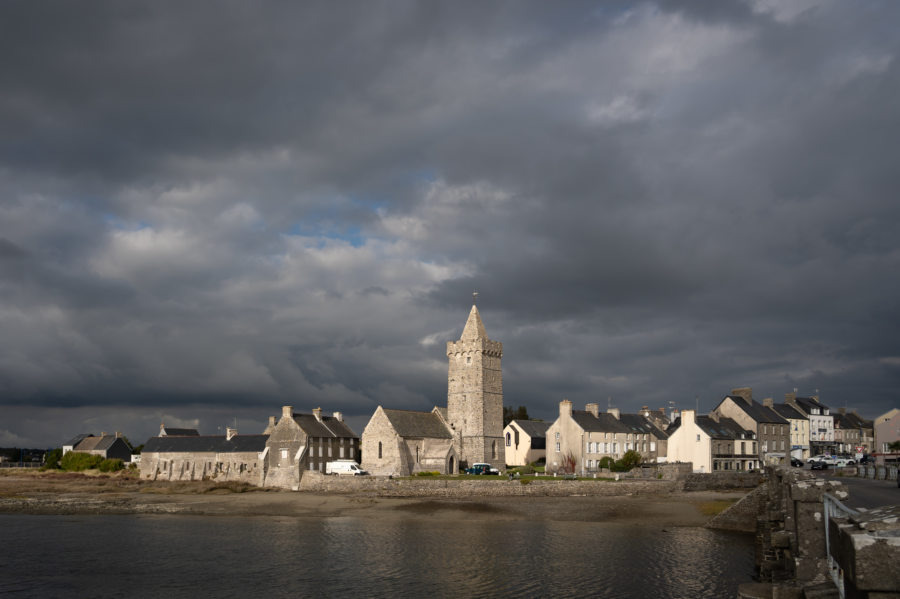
[(468, 431)]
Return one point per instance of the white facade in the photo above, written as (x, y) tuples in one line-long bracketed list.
[(690, 443)]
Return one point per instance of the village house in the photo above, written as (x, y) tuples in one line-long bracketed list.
[(771, 430), (105, 446), (887, 430), (799, 429), (711, 443), (468, 431), (291, 445), (821, 423), (526, 441), (581, 439)]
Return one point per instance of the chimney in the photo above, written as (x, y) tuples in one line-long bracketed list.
[(317, 412), (229, 433), (162, 429), (103, 434), (565, 408), (842, 411), (790, 397), (338, 416), (768, 402), (118, 434), (714, 416), (662, 411), (287, 411), (593, 409), (271, 421), (745, 392), (614, 412), (687, 417)]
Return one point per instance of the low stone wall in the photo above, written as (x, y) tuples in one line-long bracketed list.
[(721, 481), (742, 515), (877, 472), (425, 487)]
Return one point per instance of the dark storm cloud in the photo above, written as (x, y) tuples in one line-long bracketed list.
[(215, 209)]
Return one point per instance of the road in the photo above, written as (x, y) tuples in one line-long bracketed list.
[(865, 492)]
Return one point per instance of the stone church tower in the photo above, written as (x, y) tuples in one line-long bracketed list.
[(475, 395)]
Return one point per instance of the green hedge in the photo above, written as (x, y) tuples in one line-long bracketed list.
[(76, 462)]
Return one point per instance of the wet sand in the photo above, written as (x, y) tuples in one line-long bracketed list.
[(65, 493)]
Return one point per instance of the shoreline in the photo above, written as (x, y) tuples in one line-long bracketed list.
[(79, 494)]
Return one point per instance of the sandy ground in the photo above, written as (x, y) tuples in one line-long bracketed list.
[(66, 493)]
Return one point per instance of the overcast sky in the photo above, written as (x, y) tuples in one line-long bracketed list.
[(210, 210)]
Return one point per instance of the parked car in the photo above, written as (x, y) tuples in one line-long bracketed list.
[(796, 463), (818, 464), (344, 467), (841, 462), (480, 468)]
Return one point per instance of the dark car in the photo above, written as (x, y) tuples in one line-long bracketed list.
[(818, 465), (796, 463), (481, 469)]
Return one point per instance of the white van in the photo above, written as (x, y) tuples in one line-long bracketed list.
[(344, 467)]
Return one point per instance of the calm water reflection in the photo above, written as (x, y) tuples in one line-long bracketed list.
[(181, 556)]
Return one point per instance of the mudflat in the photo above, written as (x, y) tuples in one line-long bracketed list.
[(123, 493)]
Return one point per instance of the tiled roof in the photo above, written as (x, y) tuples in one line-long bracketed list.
[(725, 428), (408, 423), (181, 432), (603, 423), (788, 411), (329, 426), (639, 424), (206, 443), (756, 410), (808, 403), (536, 429)]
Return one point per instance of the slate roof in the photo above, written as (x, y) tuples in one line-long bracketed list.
[(851, 420), (725, 428), (756, 410), (328, 427), (206, 443), (408, 423), (639, 424), (788, 411), (77, 439), (604, 423), (535, 429), (808, 403), (181, 432)]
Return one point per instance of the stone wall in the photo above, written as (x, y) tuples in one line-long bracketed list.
[(742, 515), (720, 481), (243, 467), (426, 487)]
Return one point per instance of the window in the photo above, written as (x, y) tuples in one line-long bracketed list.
[(379, 450), (557, 436), (743, 448), (698, 438), (493, 450), (557, 446), (284, 454), (508, 439)]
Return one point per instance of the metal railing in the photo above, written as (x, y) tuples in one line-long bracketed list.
[(835, 509)]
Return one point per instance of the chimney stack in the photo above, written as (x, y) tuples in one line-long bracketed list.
[(768, 402), (118, 434), (162, 429), (790, 397), (229, 433), (714, 416), (338, 416), (842, 411), (287, 412), (271, 421), (614, 412), (593, 409), (687, 417), (317, 412), (744, 392), (565, 408)]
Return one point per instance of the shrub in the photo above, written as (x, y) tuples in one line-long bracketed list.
[(428, 473), (607, 462), (76, 462), (51, 459), (111, 465)]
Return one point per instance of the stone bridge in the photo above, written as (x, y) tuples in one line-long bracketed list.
[(809, 544)]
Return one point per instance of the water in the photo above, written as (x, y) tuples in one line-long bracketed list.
[(187, 556)]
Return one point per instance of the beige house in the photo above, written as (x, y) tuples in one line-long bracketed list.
[(525, 441), (578, 440), (887, 430), (798, 425), (404, 442), (771, 430), (711, 443), (103, 445)]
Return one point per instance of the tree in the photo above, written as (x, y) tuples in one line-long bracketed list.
[(510, 414), (52, 457), (568, 464), (895, 446), (631, 459)]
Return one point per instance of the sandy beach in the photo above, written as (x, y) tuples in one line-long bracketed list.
[(69, 493)]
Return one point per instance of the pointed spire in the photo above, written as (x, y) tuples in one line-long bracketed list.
[(474, 328)]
